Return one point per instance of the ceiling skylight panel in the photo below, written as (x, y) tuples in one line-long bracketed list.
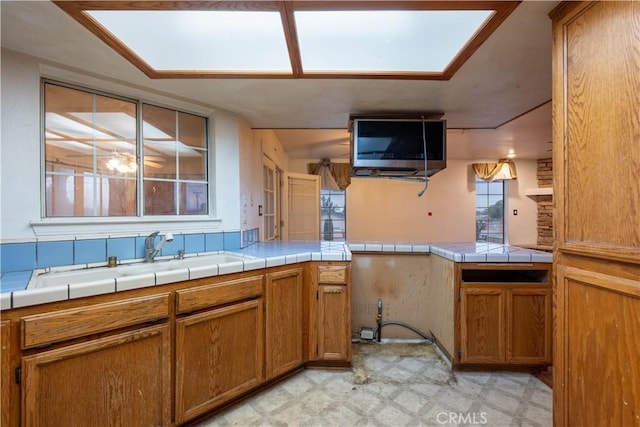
[(385, 40), (200, 40)]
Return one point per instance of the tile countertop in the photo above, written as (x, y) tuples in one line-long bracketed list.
[(264, 254), (460, 252)]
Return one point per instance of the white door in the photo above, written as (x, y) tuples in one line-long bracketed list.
[(271, 208), (301, 210)]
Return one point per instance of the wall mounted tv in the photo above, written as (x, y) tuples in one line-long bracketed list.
[(396, 147)]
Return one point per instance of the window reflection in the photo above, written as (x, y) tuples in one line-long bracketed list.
[(90, 153), (91, 157)]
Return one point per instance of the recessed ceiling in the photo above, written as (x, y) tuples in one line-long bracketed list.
[(293, 39), (508, 76)]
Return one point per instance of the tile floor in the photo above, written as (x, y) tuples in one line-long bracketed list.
[(396, 385)]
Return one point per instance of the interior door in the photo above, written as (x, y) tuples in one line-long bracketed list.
[(596, 158), (301, 210), (271, 207)]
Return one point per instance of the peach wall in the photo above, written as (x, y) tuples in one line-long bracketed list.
[(389, 210)]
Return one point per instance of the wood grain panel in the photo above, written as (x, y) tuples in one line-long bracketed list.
[(602, 151), (334, 323), (219, 293), (332, 274), (482, 335), (6, 381), (62, 325), (603, 356), (529, 326), (116, 381), (283, 340), (219, 355)]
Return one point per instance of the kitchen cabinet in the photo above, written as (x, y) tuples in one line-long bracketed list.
[(123, 379), (284, 321), (505, 314), (331, 318), (219, 352), (6, 384), (596, 105), (165, 355), (120, 379)]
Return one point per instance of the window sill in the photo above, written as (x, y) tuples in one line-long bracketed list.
[(121, 227)]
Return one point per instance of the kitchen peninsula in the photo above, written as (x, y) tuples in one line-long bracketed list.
[(187, 341)]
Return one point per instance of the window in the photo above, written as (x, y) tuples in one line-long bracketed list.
[(332, 215), (489, 211), (93, 150)]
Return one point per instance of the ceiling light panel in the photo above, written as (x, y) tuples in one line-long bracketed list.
[(179, 40), (385, 40)]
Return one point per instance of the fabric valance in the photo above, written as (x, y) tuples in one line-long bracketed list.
[(333, 176), (502, 170)]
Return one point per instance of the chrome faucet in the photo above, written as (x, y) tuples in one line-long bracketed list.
[(150, 251)]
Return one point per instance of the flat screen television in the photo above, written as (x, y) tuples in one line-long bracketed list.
[(396, 146)]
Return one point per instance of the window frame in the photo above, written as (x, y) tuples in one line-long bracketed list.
[(330, 193), (140, 101), (488, 195)]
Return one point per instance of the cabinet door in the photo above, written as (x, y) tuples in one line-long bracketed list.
[(334, 331), (596, 72), (219, 355), (6, 385), (529, 326), (283, 337), (121, 380), (482, 328)]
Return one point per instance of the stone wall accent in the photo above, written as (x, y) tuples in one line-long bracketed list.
[(545, 204)]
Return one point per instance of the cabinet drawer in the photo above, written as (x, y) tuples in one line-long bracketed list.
[(63, 325), (332, 274), (216, 294)]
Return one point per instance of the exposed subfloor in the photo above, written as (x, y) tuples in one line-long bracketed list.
[(396, 385)]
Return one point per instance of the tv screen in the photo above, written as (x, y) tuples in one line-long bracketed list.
[(398, 143)]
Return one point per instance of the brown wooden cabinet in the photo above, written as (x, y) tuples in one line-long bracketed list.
[(482, 325), (505, 314), (330, 325), (124, 379), (284, 321), (165, 355), (219, 355), (596, 156), (220, 347), (6, 371)]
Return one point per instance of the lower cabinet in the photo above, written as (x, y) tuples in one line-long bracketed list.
[(482, 325), (284, 321), (219, 355), (124, 379), (334, 332), (505, 325), (330, 324)]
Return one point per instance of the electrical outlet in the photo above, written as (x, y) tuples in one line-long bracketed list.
[(366, 333)]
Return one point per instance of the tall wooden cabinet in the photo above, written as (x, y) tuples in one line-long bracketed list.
[(596, 150)]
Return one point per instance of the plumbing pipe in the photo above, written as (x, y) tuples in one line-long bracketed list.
[(406, 325), (379, 317)]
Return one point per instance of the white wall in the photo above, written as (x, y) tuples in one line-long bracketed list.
[(20, 141), (251, 187), (20, 173), (272, 148), (389, 210)]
